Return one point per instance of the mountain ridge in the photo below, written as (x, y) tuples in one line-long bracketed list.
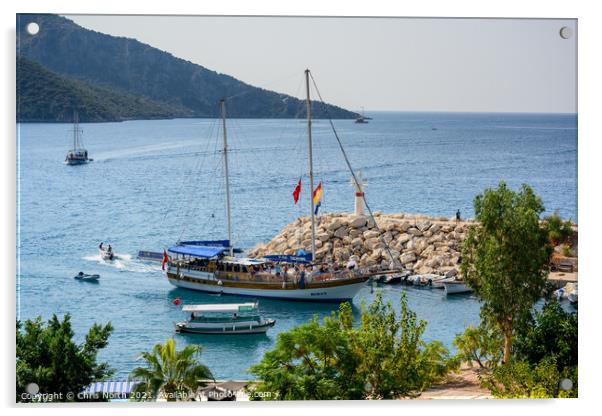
[(132, 67)]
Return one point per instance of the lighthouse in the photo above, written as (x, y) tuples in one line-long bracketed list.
[(359, 193)]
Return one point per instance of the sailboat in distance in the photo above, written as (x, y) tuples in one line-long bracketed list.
[(77, 155), (210, 266)]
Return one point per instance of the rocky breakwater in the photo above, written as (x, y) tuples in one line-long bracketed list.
[(421, 244)]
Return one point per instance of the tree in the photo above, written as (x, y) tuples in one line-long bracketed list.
[(48, 357), (553, 332), (174, 375), (384, 357), (506, 257), (483, 345)]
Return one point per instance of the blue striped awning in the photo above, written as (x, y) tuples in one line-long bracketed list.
[(197, 251), (111, 387)]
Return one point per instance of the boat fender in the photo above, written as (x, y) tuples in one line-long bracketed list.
[(284, 285), (219, 283)]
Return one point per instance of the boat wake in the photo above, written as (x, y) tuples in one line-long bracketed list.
[(125, 263)]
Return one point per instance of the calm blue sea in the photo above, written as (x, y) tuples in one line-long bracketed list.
[(153, 182)]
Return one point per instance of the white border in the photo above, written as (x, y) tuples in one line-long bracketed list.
[(589, 172)]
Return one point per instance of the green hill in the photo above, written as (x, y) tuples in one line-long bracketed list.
[(43, 95), (130, 66)]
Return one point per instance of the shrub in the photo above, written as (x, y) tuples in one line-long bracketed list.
[(384, 357)]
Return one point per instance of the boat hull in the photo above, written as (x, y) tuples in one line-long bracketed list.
[(456, 288), (226, 328), (337, 292)]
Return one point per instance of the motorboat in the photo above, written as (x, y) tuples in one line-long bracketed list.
[(456, 287), (222, 319), (394, 278), (87, 277), (572, 296)]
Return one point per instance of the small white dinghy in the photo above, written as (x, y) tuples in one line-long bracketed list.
[(222, 319), (87, 277), (456, 287)]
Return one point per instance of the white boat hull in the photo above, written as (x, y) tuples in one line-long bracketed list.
[(456, 288), (328, 294), (251, 327)]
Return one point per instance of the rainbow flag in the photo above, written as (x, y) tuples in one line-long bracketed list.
[(318, 198)]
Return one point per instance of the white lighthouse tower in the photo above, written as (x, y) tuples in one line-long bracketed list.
[(359, 193)]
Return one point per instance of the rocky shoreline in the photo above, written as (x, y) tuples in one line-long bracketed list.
[(422, 244)]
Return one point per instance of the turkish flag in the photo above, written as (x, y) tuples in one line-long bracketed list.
[(297, 191), (165, 260)]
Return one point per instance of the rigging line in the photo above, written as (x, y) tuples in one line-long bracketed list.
[(393, 260), (197, 166), (200, 164), (265, 87)]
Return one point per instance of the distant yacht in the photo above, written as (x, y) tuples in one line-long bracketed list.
[(77, 155), (362, 118)]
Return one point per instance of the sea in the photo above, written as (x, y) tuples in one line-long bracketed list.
[(155, 182)]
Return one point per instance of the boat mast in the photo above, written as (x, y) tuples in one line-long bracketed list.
[(222, 105), (75, 130), (311, 171)]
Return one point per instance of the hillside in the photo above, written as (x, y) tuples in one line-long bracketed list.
[(139, 69), (43, 95)]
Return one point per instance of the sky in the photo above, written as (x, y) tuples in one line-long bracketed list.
[(380, 64)]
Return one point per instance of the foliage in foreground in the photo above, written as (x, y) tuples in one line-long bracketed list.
[(544, 354), (384, 357), (170, 374), (506, 257), (521, 379), (48, 356), (483, 345)]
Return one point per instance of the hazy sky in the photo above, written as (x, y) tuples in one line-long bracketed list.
[(404, 64)]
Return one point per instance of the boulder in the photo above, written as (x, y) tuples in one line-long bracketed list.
[(341, 232), (403, 238), (414, 231), (354, 232), (423, 225), (405, 226), (407, 258), (322, 237), (371, 234), (357, 242), (358, 222), (334, 225), (373, 243)]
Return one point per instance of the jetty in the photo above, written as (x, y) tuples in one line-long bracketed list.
[(421, 244)]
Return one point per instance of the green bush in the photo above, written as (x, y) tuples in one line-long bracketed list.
[(520, 379), (553, 332), (384, 357), (483, 344), (558, 230)]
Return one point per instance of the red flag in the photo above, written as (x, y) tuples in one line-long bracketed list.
[(165, 259), (297, 191)]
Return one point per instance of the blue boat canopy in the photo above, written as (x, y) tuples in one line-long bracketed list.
[(197, 251), (211, 243), (304, 258)]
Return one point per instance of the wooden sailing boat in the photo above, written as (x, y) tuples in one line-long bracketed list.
[(211, 266), (77, 155)]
